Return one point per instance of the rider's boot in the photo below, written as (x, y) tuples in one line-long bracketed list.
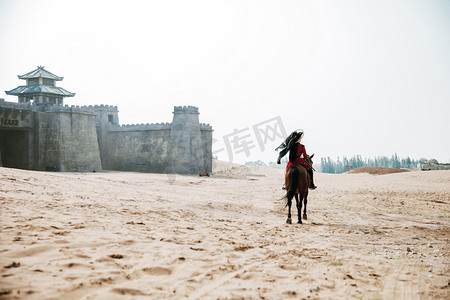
[(312, 186)]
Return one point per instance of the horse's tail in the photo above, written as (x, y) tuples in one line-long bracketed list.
[(293, 184)]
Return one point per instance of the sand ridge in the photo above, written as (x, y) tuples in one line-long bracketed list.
[(376, 170), (112, 235)]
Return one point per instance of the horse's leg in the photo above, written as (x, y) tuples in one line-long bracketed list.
[(289, 219), (299, 207), (305, 217)]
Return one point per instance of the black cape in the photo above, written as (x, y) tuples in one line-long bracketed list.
[(287, 144)]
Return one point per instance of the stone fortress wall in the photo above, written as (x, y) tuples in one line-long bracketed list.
[(90, 138)]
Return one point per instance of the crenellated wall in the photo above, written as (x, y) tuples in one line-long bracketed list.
[(138, 148), (51, 136), (89, 138), (183, 146)]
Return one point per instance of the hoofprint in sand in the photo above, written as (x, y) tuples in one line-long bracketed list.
[(153, 236)]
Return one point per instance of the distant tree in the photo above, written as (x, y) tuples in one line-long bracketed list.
[(358, 162), (383, 162), (330, 166), (406, 163), (282, 164), (395, 163), (255, 163), (339, 166)]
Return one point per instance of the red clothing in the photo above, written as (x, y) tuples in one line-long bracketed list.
[(295, 156)]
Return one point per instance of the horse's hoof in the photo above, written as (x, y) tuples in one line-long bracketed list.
[(305, 217), (300, 222), (289, 221)]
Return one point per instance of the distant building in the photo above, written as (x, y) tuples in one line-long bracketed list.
[(41, 133), (40, 88), (433, 164)]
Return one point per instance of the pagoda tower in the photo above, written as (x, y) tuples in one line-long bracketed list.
[(40, 88)]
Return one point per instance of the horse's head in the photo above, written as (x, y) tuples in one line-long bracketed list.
[(309, 159)]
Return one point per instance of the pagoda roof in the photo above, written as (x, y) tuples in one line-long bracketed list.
[(40, 72), (40, 89)]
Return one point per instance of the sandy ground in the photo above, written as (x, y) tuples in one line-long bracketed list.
[(125, 235)]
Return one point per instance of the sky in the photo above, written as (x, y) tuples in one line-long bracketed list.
[(359, 77)]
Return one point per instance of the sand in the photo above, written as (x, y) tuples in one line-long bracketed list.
[(126, 235), (377, 170)]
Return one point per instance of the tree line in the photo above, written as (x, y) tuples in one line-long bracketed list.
[(340, 166)]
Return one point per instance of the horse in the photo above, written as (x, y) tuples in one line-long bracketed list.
[(297, 183)]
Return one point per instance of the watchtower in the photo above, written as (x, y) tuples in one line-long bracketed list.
[(40, 88), (186, 153)]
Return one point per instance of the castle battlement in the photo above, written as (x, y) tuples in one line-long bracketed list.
[(58, 107), (133, 127), (185, 109), (65, 108), (204, 126), (14, 105), (104, 107)]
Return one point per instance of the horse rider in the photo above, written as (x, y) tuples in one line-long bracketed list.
[(297, 153)]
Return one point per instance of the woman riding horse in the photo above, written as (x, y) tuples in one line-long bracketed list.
[(297, 154)]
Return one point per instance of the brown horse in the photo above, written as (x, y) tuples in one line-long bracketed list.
[(297, 182)]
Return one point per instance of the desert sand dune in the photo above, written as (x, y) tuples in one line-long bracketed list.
[(125, 235)]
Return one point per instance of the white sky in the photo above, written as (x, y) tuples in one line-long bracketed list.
[(360, 77)]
